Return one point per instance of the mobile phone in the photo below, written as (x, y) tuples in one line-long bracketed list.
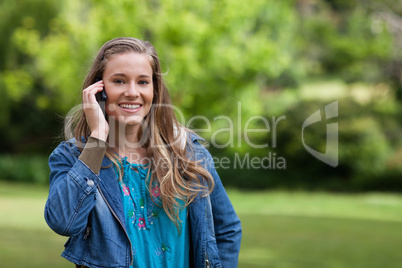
[(101, 98)]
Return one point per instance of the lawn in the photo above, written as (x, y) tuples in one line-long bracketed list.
[(280, 229)]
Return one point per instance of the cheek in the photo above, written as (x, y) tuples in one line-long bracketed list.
[(110, 108), (111, 105), (151, 96)]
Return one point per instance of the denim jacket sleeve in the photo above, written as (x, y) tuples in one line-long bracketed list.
[(72, 191), (228, 230), (227, 225)]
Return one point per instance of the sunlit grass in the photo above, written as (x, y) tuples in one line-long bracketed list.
[(300, 229), (373, 206), (26, 240), (280, 229), (299, 241)]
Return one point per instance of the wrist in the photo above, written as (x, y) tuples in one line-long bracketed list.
[(99, 135)]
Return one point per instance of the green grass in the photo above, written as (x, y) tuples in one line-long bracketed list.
[(280, 229), (283, 229)]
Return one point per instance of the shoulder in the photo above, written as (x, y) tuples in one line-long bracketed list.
[(196, 146), (67, 149), (195, 142), (188, 139)]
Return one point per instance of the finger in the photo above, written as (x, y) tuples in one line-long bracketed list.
[(96, 84), (93, 88), (91, 91)]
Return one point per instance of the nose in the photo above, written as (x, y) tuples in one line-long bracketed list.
[(132, 90)]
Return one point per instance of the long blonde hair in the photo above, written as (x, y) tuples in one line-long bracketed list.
[(180, 177)]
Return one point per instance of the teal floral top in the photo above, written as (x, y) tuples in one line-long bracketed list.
[(154, 237)]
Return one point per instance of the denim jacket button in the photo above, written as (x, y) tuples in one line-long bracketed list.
[(90, 183)]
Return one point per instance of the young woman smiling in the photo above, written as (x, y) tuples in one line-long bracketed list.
[(135, 188)]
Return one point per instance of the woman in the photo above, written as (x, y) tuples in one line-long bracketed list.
[(135, 188)]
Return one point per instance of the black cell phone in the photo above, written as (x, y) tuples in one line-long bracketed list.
[(101, 98)]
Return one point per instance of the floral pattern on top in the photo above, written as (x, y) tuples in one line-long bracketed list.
[(126, 190), (154, 237), (137, 206), (163, 252), (155, 191)]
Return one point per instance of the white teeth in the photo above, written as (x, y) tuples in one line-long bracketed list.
[(130, 106)]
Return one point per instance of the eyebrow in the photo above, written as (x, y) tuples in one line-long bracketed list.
[(122, 74), (144, 75)]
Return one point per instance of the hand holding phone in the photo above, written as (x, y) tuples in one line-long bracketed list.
[(94, 99)]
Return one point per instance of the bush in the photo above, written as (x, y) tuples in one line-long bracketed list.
[(364, 147), (24, 168), (368, 158)]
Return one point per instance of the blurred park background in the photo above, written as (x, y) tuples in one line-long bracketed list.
[(226, 59)]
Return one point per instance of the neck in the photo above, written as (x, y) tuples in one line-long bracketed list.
[(125, 140)]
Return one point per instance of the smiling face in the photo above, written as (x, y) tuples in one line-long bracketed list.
[(129, 87)]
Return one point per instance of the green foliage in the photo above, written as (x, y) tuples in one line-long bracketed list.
[(212, 50), (368, 158), (215, 55), (348, 42), (29, 169)]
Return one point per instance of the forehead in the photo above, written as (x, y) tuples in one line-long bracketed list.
[(128, 63)]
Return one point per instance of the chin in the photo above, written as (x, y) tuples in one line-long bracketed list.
[(134, 120), (132, 123)]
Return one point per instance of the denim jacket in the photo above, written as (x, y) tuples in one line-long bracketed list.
[(88, 208)]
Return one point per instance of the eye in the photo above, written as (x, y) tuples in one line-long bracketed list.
[(118, 81), (143, 82)]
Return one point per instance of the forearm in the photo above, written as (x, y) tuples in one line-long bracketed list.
[(72, 188)]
